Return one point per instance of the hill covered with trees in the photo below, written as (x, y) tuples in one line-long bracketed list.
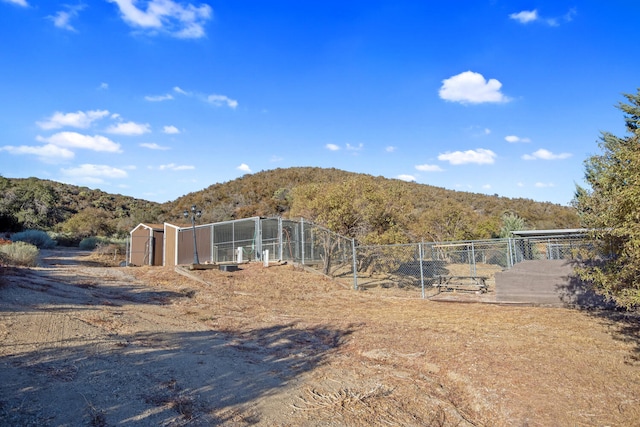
[(371, 209), (34, 203)]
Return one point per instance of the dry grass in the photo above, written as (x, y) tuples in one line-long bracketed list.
[(281, 346), (418, 362)]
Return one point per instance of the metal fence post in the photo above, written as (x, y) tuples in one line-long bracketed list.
[(257, 240), (511, 252), (302, 238), (473, 260), (280, 239), (355, 265), (421, 269)]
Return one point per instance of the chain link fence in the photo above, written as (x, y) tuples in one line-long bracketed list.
[(416, 268), (413, 269), (264, 239)]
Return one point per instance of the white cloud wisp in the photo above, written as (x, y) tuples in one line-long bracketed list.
[(47, 153), (178, 20), (78, 140), (480, 156), (79, 119), (220, 100), (543, 154), (513, 139), (129, 128)]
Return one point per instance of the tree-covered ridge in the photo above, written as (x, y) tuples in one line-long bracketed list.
[(372, 209), (369, 208), (33, 203)]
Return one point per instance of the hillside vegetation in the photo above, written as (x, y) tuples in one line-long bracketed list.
[(78, 212), (371, 209)]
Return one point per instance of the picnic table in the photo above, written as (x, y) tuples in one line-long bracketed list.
[(460, 283)]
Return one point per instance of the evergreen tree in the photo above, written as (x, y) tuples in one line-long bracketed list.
[(611, 208)]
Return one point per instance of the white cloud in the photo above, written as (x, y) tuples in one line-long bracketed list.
[(244, 168), (158, 98), (480, 156), (470, 87), (168, 16), (332, 147), (486, 187), (48, 152), (429, 168), (220, 100), (408, 178), (94, 173), (390, 149), (181, 92), (213, 99), (275, 159), (174, 167), (358, 147), (544, 184), (103, 86), (543, 154), (129, 128), (22, 3), (515, 139), (80, 119), (153, 146), (568, 17), (525, 16), (171, 130), (62, 18), (77, 140)]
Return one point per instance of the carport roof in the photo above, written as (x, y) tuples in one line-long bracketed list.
[(544, 233)]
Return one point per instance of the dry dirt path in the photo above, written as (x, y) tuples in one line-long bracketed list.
[(84, 345)]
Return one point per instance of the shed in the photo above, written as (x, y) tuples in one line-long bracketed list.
[(147, 242)]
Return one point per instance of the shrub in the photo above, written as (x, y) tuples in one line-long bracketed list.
[(65, 239), (103, 244), (38, 238), (19, 253), (90, 243)]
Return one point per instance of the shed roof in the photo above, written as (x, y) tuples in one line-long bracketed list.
[(159, 227), (544, 233)]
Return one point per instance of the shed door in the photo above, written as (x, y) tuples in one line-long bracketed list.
[(142, 250)]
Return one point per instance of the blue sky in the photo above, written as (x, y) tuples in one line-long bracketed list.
[(156, 99)]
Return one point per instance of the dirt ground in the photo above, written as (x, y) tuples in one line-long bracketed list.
[(87, 345)]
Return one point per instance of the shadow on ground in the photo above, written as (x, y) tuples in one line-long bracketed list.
[(195, 378), (624, 325), (34, 287)]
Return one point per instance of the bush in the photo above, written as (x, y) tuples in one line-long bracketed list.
[(19, 253), (38, 238), (102, 244), (65, 239), (90, 243)]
